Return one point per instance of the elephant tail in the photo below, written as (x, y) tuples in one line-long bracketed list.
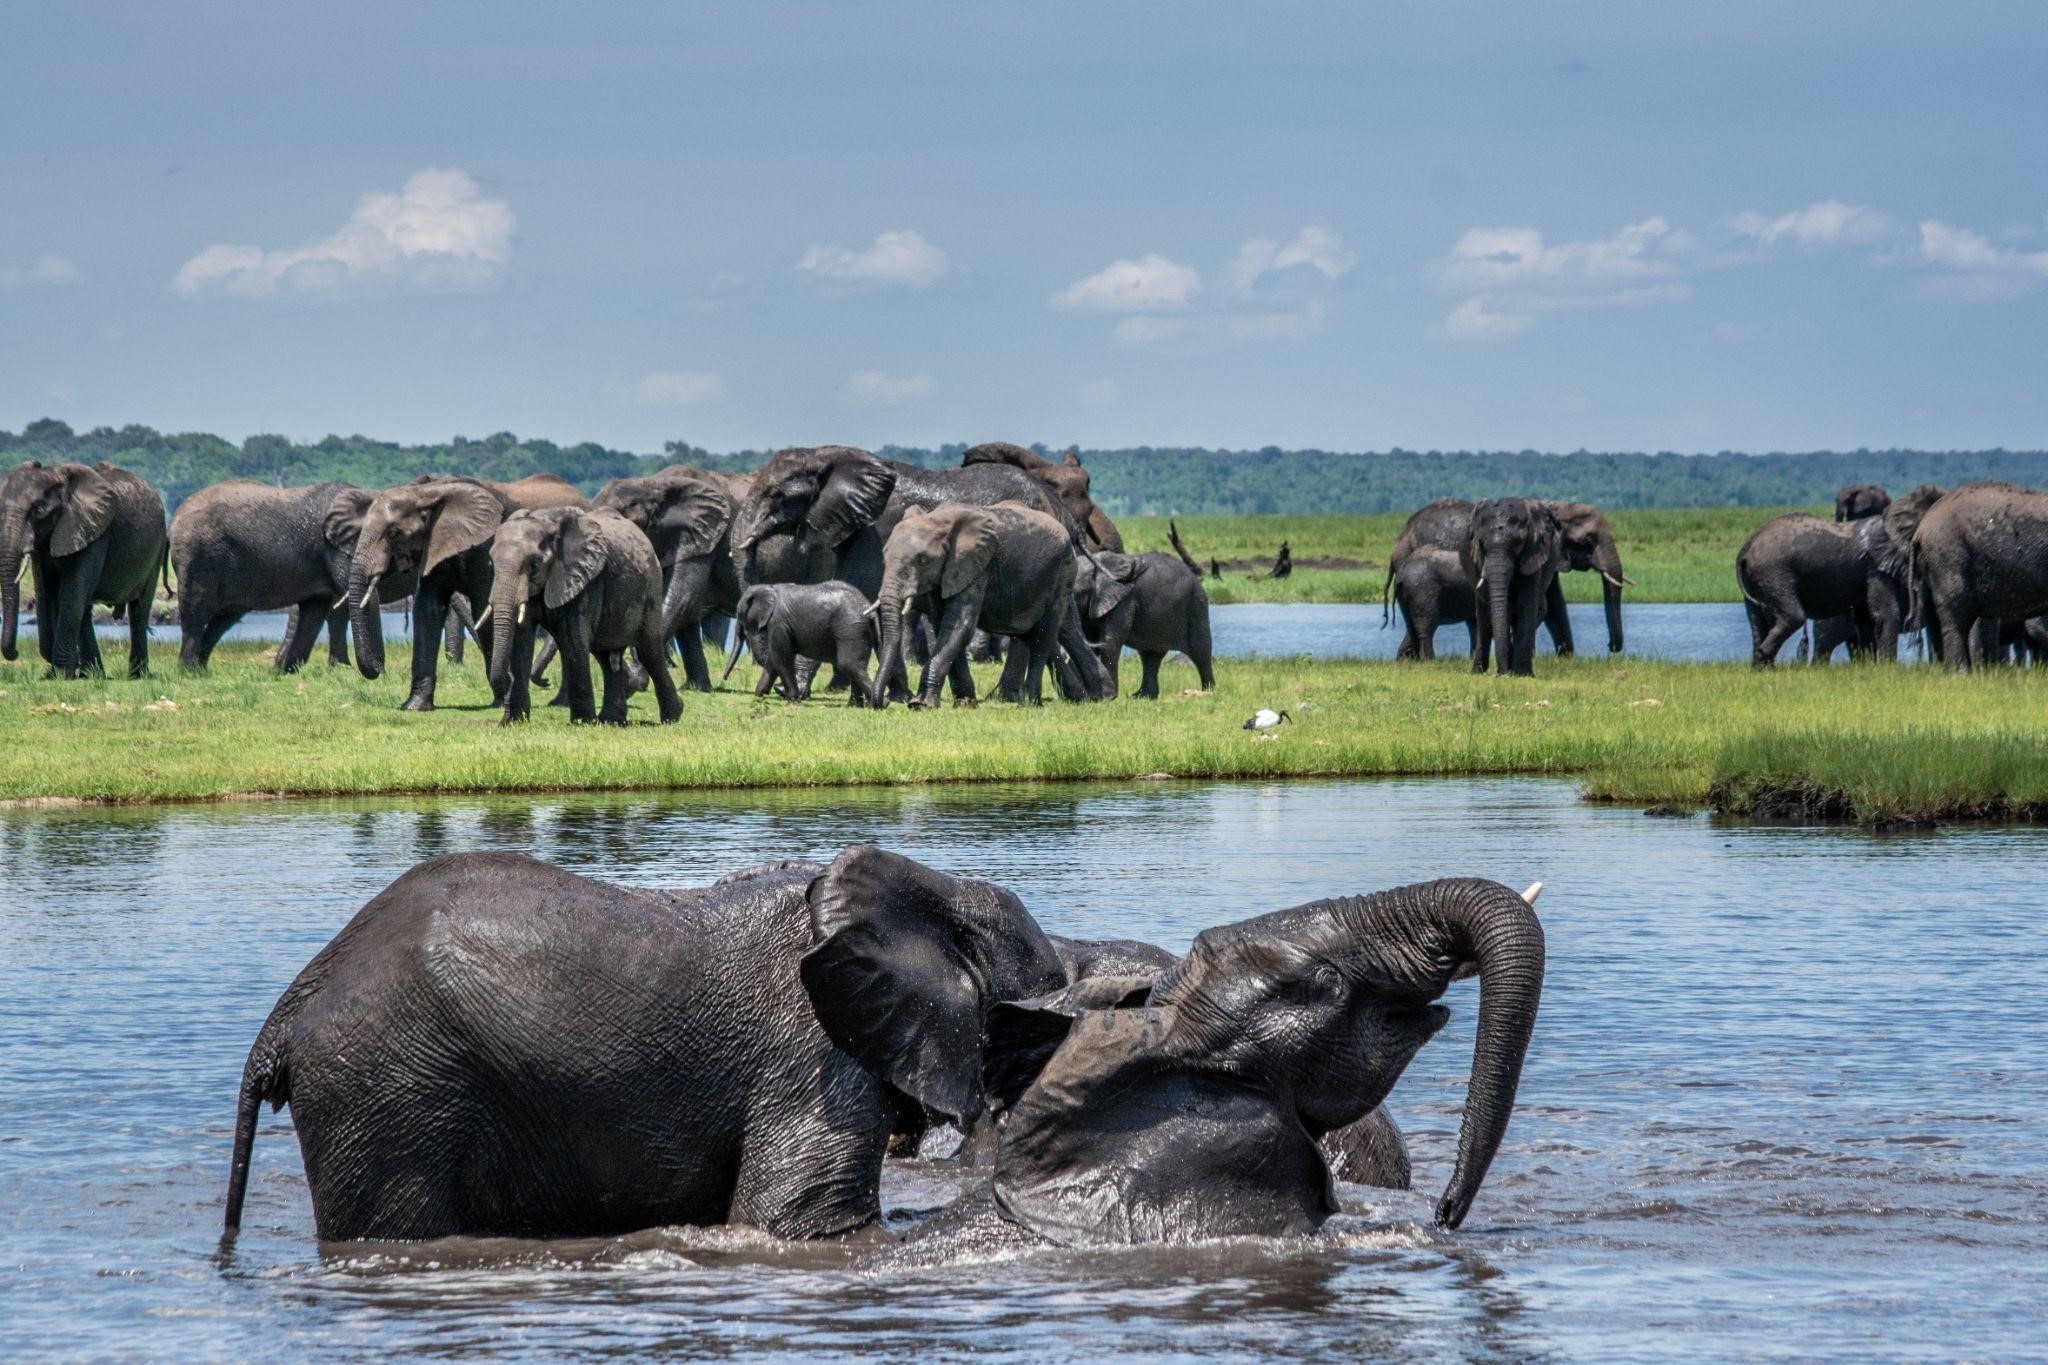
[(266, 1076), (164, 568), (1387, 598)]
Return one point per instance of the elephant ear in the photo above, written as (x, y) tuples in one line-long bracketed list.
[(88, 508), (1545, 550), (852, 493), (1023, 1035), (970, 545), (1122, 1140), (343, 524), (905, 965), (1114, 577), (696, 513), (469, 515), (580, 552)]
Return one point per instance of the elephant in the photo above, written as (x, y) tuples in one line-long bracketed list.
[(1152, 602), (1066, 480), (1796, 567), (495, 1046), (687, 515), (1861, 500), (1981, 554), (1008, 569), (1430, 589), (88, 534), (431, 538), (1588, 543), (590, 576), (1191, 1109), (782, 622), (844, 502), (1512, 554), (244, 545)]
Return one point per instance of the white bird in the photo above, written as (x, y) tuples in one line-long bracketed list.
[(1265, 722)]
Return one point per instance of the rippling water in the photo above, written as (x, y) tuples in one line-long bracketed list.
[(1786, 1097)]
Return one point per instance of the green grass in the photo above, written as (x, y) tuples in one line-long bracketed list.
[(1875, 743), (1674, 554)]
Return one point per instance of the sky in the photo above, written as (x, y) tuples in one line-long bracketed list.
[(1748, 226)]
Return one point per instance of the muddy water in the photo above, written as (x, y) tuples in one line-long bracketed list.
[(1787, 1094)]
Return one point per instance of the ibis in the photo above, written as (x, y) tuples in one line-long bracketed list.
[(1265, 722)]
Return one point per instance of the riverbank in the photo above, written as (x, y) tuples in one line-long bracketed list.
[(1869, 744), (1673, 554)]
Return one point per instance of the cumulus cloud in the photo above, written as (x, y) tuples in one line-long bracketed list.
[(896, 258), (1829, 222), (877, 389), (1149, 284), (1099, 393), (1972, 268), (1492, 258), (678, 389), (47, 270), (1314, 246), (1473, 321), (438, 234)]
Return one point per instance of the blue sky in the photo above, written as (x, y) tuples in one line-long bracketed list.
[(1618, 226)]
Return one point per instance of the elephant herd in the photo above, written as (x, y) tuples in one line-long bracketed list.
[(1008, 550), (1968, 565), (496, 1046)]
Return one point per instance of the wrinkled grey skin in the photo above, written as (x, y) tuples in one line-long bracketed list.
[(841, 504), (686, 515), (1981, 554), (1065, 479), (783, 622), (1430, 589), (244, 545), (1797, 567), (1511, 558), (1008, 569), (1196, 1114), (590, 576), (1586, 539), (496, 1047), (1152, 603), (431, 539), (87, 534), (1858, 501)]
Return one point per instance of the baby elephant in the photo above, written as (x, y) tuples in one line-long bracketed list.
[(590, 576), (823, 621)]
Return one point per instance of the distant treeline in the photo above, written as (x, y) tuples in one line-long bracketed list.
[(1142, 480)]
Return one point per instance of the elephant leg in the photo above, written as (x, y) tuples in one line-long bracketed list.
[(769, 677), (1779, 629), (617, 687), (77, 649), (654, 659), (961, 676), (574, 637), (806, 673), (1557, 618), (1957, 631), (1482, 641), (451, 633), (811, 1173), (1151, 659), (540, 665), (337, 633), (853, 666), (1369, 1152), (690, 647), (1528, 612), (138, 630), (1043, 641), (195, 613), (1094, 677), (429, 613), (1010, 683), (1199, 648), (956, 625), (305, 628)]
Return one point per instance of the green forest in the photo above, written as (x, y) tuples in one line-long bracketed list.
[(1143, 480)]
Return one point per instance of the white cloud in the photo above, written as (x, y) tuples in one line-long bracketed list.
[(47, 270), (1973, 269), (1147, 284), (1099, 393), (1314, 246), (1830, 222), (1471, 321), (678, 389), (876, 389), (1492, 258), (438, 234), (895, 258)]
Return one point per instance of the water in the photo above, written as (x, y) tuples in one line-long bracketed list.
[(1786, 1096)]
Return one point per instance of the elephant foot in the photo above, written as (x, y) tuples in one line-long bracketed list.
[(967, 702), (923, 703), (541, 680), (515, 718), (418, 702)]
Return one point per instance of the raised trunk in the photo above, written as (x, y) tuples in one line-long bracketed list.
[(1607, 560), (13, 549), (507, 597), (1499, 578), (369, 643)]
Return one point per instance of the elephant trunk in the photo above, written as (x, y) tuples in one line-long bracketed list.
[(1608, 561), (508, 598), (674, 595), (739, 641), (13, 550), (1499, 575), (889, 612), (362, 608)]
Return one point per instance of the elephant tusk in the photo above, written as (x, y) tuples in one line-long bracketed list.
[(871, 609), (522, 613), (1617, 579), (369, 591), (1481, 583), (1535, 890), (23, 571), (478, 624), (1630, 581)]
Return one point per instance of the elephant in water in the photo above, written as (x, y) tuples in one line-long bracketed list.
[(88, 534), (494, 1046), (1981, 554)]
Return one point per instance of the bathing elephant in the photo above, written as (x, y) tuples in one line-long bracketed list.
[(686, 515), (828, 622), (1151, 602), (431, 538), (1981, 554), (1195, 1113), (1586, 539), (1511, 558), (590, 576), (1430, 589), (1008, 569), (244, 545), (494, 1046), (1861, 500), (88, 534), (1796, 567), (1065, 479)]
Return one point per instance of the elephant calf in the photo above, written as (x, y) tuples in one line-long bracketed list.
[(1430, 589), (782, 622), (1797, 567), (591, 578), (1153, 603)]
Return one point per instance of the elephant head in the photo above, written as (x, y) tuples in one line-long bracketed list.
[(935, 554), (1196, 1113), (1858, 501), (60, 508), (1511, 537), (760, 608), (1065, 479), (407, 533), (550, 553), (821, 494), (684, 512), (1103, 581), (1588, 543)]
